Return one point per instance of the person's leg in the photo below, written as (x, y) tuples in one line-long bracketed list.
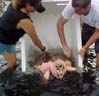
[(87, 31), (9, 72), (95, 74), (97, 53), (8, 51), (11, 60), (10, 55), (97, 60)]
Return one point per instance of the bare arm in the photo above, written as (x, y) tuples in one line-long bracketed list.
[(28, 27), (60, 29), (93, 38)]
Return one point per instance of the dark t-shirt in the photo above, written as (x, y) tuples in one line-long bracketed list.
[(9, 34)]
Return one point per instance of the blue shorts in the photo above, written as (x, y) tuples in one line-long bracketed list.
[(87, 32), (7, 48)]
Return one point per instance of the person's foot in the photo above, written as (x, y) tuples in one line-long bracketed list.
[(6, 76), (10, 84)]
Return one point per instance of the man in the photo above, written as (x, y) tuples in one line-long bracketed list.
[(89, 13), (14, 23)]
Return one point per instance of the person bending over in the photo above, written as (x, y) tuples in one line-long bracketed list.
[(87, 9), (14, 23)]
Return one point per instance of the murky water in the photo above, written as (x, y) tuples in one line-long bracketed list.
[(73, 84)]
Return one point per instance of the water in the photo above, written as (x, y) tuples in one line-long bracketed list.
[(73, 84)]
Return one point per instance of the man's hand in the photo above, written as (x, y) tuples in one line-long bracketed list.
[(43, 49), (82, 53), (67, 52)]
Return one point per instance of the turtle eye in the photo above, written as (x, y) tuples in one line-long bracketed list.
[(57, 67), (60, 67)]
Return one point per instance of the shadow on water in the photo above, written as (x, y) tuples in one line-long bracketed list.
[(73, 84)]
